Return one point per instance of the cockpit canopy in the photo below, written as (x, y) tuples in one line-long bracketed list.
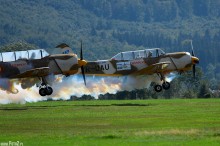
[(29, 54), (131, 55)]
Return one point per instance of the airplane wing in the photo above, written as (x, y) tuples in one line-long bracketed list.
[(36, 72), (155, 68)]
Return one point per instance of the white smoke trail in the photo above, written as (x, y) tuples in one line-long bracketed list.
[(74, 85), (171, 76), (24, 95), (65, 87)]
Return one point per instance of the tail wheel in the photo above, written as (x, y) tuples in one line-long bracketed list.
[(43, 92), (166, 85), (158, 88)]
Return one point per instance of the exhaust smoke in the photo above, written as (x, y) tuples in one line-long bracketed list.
[(26, 90)]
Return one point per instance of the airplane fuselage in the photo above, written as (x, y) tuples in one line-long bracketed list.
[(180, 61), (57, 64)]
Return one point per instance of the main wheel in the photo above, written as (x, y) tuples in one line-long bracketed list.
[(158, 88), (43, 92), (49, 90), (166, 85)]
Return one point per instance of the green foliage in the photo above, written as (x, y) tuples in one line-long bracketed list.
[(84, 97), (107, 27), (204, 91), (18, 46)]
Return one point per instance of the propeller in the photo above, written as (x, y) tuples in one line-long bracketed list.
[(193, 54), (195, 61), (84, 62)]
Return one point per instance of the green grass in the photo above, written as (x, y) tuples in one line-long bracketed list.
[(129, 122)]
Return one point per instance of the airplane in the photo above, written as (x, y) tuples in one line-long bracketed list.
[(144, 62), (39, 64)]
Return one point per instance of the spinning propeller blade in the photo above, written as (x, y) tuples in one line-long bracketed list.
[(193, 54), (195, 59), (82, 68), (194, 71), (81, 53)]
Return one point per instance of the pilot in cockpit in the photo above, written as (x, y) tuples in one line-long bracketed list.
[(149, 54)]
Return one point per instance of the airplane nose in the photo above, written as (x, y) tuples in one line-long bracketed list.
[(195, 60), (82, 62)]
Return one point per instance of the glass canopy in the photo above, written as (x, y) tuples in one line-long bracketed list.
[(131, 55), (29, 54)]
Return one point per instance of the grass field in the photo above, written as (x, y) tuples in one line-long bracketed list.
[(129, 122)]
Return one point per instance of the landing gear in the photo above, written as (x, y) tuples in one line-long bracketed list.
[(158, 88), (44, 88), (165, 84), (45, 91), (42, 92), (49, 90)]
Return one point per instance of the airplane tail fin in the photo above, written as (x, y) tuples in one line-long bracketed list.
[(63, 49)]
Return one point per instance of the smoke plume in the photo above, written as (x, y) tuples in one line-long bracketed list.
[(26, 90)]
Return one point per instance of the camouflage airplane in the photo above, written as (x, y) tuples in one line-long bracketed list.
[(38, 63), (144, 62)]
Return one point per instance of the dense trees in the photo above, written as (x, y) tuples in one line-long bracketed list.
[(150, 10), (114, 25)]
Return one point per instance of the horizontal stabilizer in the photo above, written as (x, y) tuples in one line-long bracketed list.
[(36, 72), (155, 68)]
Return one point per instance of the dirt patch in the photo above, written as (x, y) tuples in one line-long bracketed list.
[(187, 132)]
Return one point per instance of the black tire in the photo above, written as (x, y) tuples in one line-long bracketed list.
[(49, 90), (43, 92), (158, 88), (166, 85)]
